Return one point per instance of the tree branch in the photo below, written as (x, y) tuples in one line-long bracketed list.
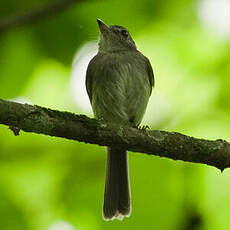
[(173, 145), (35, 15)]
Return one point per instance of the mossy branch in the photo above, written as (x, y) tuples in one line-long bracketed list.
[(173, 145)]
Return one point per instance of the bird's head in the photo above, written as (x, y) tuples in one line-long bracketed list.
[(114, 38)]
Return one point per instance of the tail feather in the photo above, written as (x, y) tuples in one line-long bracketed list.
[(117, 192)]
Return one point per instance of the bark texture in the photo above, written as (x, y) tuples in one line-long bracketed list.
[(32, 118)]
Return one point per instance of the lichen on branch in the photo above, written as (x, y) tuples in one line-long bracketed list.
[(36, 119)]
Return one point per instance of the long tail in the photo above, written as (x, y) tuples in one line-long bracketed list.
[(117, 193)]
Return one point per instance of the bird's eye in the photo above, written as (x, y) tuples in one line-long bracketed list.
[(125, 33)]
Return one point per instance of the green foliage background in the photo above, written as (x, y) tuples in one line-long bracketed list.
[(46, 182)]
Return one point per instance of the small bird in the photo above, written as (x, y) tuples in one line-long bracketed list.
[(119, 82)]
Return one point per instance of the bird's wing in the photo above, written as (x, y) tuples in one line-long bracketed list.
[(89, 76), (150, 74)]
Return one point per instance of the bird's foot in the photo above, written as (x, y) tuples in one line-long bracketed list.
[(143, 128)]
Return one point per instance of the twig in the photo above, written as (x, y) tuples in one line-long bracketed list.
[(173, 145), (35, 15)]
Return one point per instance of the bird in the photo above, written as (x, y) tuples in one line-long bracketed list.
[(119, 82)]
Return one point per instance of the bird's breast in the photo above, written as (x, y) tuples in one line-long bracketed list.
[(120, 89)]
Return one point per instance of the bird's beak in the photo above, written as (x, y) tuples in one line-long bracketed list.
[(102, 26)]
